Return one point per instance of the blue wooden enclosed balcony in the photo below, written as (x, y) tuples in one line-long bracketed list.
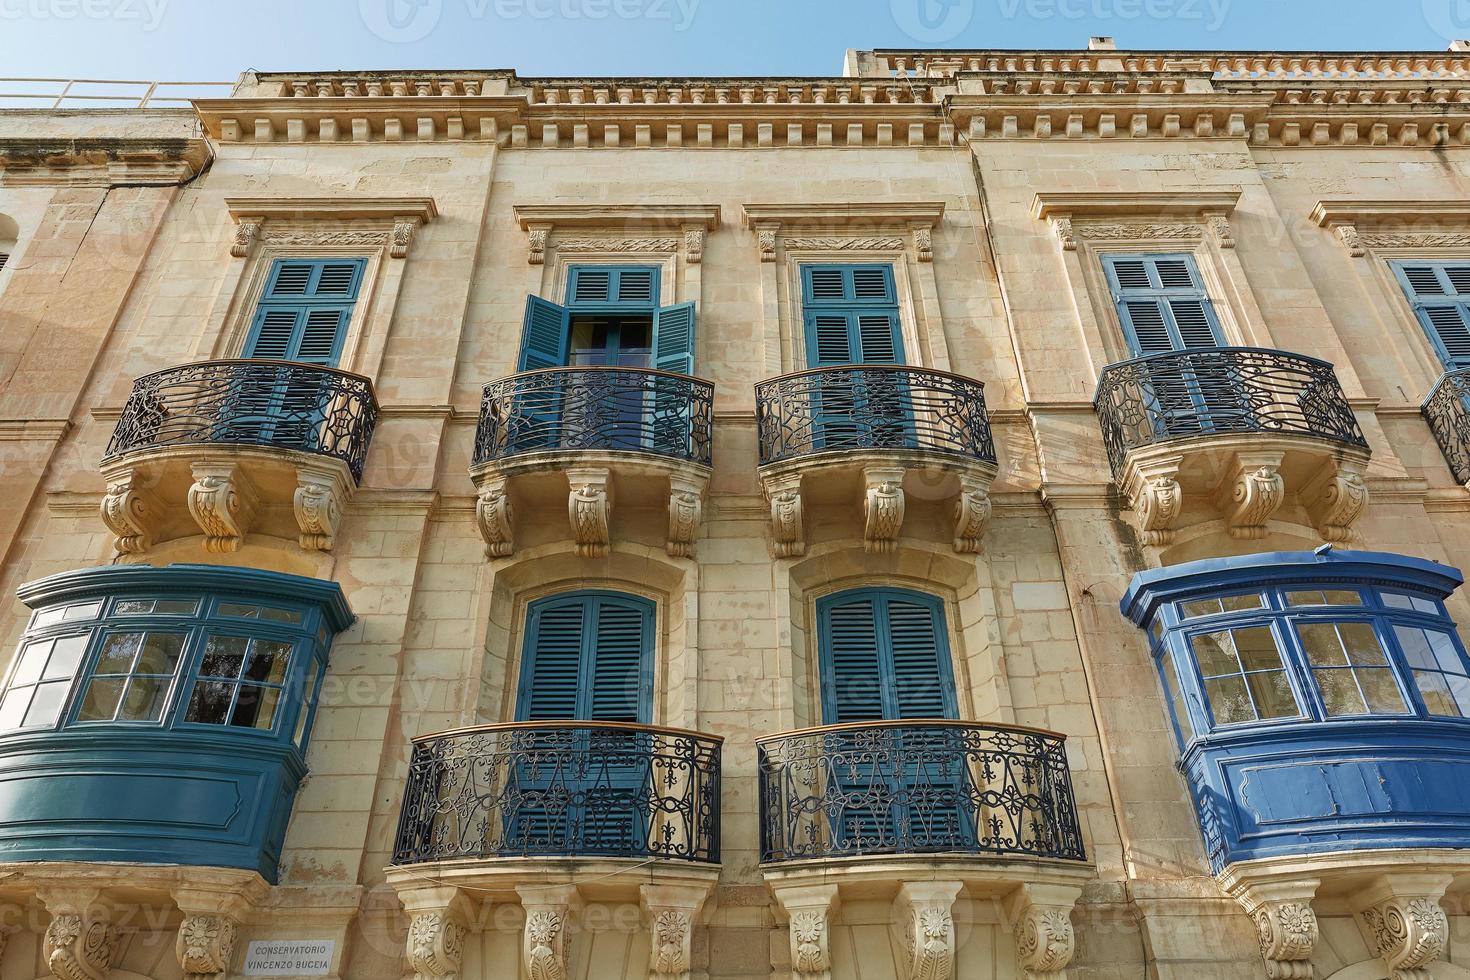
[(1237, 428), (160, 716), (264, 446), (1321, 702), (877, 435)]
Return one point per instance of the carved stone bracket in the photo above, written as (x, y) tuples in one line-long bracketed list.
[(1041, 919), (221, 502), (1065, 232), (672, 912), (1219, 225), (130, 513), (809, 909), (1336, 498), (1157, 499), (537, 236), (545, 939), (247, 232), (765, 239), (81, 942), (686, 506), (971, 511), (493, 515), (1286, 926), (923, 921), (589, 506), (694, 243), (205, 945), (788, 539), (1402, 920), (883, 508), (1250, 493), (924, 242), (321, 493), (438, 921)]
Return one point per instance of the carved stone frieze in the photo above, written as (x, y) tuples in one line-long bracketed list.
[(1140, 231), (618, 244), (846, 244)]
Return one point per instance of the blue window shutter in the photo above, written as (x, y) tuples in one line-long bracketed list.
[(851, 315), (629, 287), (673, 338), (552, 668), (829, 338), (1162, 303), (878, 337), (1440, 295), (544, 335), (588, 657), (617, 665), (304, 312), (884, 656)]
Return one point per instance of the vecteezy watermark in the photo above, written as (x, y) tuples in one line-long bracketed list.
[(931, 21), (406, 21), (149, 13), (1450, 19), (1211, 13)]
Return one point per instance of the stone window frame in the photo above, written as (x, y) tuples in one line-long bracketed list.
[(1089, 225), (1377, 233), (12, 244), (379, 229), (900, 234)]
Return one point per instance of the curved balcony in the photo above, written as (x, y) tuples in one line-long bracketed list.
[(575, 431), (271, 446), (1237, 427), (1447, 410), (880, 434)]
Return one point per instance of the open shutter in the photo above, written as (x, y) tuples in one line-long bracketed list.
[(544, 335), (673, 338), (1162, 303), (1440, 294)]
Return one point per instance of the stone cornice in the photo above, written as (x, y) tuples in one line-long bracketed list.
[(345, 208), (1111, 204), (899, 214), (672, 216), (1385, 223), (101, 161)]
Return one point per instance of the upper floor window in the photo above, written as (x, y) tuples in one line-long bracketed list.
[(1440, 295), (1162, 303), (612, 318), (588, 656), (850, 315), (884, 656), (304, 311)]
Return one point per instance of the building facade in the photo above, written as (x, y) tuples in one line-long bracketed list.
[(986, 514)]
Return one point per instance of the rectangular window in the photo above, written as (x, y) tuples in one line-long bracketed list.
[(1351, 669), (1244, 677), (304, 312), (1214, 607), (850, 314), (1329, 597), (239, 682), (1396, 600), (1176, 696), (1440, 295), (43, 676), (1162, 303), (132, 677), (1438, 669), (611, 319)]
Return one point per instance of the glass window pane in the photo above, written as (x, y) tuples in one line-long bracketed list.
[(1176, 696), (1273, 695), (1200, 607), (176, 607), (118, 653), (1322, 645), (84, 610), (132, 607), (160, 653), (66, 657), (210, 702), (1416, 646), (13, 708), (48, 617), (1445, 654), (1338, 597), (145, 699), (1436, 694), (1362, 643), (32, 662), (1237, 603), (1229, 701), (1381, 691), (268, 660), (240, 609), (1215, 653), (1156, 630), (306, 703), (1256, 647), (100, 701), (223, 656), (1343, 598), (280, 615), (1460, 688), (265, 719), (46, 704), (1339, 692), (247, 706), (1395, 601)]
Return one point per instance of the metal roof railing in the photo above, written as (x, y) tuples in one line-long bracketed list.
[(103, 93)]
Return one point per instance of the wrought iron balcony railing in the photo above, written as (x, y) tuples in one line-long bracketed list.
[(916, 787), (566, 789), (1447, 410), (281, 404), (596, 408), (1180, 394), (871, 407)]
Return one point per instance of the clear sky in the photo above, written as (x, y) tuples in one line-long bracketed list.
[(216, 39)]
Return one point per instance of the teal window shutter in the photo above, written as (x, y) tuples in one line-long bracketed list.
[(851, 315), (544, 335), (304, 311), (673, 339), (607, 287), (884, 656), (1440, 295), (1162, 303), (588, 657)]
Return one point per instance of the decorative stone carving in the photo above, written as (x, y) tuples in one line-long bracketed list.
[(205, 945), (536, 237), (971, 511), (694, 244), (618, 244), (1138, 232), (318, 507), (1251, 495), (246, 234), (1336, 500), (320, 239), (493, 514), (220, 502), (883, 508), (1288, 933), (847, 244), (669, 959), (1219, 226), (589, 507), (129, 513), (435, 945), (810, 956), (686, 506), (403, 232), (1351, 240), (1396, 240), (545, 942), (1409, 932), (765, 234), (1157, 499), (924, 243), (924, 921), (788, 538), (1041, 919), (1066, 234), (80, 942)]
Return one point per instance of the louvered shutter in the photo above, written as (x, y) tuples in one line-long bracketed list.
[(919, 689), (304, 312), (617, 662), (587, 658), (628, 287), (851, 315), (4, 258), (1162, 303), (553, 664), (829, 339), (673, 338), (854, 673), (1440, 294), (545, 334), (884, 657), (878, 338)]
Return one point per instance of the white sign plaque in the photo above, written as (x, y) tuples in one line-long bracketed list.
[(289, 957)]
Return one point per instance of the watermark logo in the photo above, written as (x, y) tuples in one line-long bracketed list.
[(932, 21), (1450, 19), (1211, 13), (148, 13), (400, 21)]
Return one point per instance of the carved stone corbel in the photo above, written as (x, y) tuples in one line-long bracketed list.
[(1157, 499), (221, 502), (1219, 225), (493, 515), (537, 236), (1062, 228), (80, 942), (1250, 494), (205, 945), (130, 513), (971, 511), (694, 244), (589, 506), (1351, 240), (404, 228), (672, 911), (1402, 920), (788, 539), (1041, 919), (247, 232), (808, 910), (765, 237), (545, 942), (686, 506), (1286, 926), (883, 508), (318, 501), (924, 242), (438, 918), (1336, 498), (923, 919)]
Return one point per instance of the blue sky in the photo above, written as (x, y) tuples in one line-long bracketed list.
[(216, 39)]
